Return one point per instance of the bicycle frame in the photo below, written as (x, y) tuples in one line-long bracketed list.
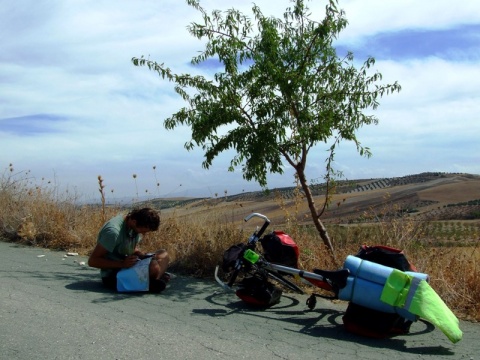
[(312, 278), (327, 280)]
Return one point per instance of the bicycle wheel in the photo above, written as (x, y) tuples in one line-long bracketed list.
[(285, 282)]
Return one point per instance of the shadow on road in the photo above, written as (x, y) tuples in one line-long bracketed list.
[(333, 328), (94, 285), (327, 324), (324, 323)]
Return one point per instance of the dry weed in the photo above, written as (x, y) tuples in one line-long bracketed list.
[(36, 214)]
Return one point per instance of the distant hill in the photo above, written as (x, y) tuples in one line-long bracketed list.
[(433, 195)]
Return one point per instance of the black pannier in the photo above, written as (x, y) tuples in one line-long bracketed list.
[(280, 248), (373, 323), (255, 290), (231, 255)]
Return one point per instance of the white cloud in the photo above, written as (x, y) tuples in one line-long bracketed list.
[(369, 17), (74, 61)]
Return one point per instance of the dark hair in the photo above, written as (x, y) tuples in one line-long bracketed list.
[(146, 218)]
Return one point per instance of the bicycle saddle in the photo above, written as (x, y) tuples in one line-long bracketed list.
[(337, 278)]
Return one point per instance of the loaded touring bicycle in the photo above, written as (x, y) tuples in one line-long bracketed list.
[(385, 292)]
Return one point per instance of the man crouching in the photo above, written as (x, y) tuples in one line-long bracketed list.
[(117, 249)]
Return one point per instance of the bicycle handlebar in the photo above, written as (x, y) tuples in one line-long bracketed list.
[(257, 215), (256, 235)]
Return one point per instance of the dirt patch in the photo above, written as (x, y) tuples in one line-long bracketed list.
[(459, 191), (429, 194)]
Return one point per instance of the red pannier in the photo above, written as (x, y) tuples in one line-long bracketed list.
[(279, 248)]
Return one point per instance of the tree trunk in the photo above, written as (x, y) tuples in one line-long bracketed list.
[(313, 212)]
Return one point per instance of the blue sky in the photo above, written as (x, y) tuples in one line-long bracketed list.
[(72, 105)]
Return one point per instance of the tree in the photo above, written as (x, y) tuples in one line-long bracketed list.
[(283, 90)]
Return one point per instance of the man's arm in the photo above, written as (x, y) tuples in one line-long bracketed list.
[(142, 255), (98, 259)]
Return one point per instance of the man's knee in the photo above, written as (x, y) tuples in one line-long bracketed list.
[(162, 256), (159, 264)]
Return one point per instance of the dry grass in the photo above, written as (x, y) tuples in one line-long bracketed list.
[(35, 214)]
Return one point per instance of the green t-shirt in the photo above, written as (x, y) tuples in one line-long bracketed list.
[(119, 242)]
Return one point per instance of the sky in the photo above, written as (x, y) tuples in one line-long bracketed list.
[(73, 107)]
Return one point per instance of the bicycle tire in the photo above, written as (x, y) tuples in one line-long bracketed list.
[(282, 281)]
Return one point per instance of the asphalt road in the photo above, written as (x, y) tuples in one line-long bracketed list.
[(53, 308)]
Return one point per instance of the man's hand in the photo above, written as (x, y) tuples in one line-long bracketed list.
[(130, 260), (139, 254)]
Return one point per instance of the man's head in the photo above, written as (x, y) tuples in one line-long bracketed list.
[(144, 220)]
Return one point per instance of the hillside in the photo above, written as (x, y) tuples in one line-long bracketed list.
[(434, 196)]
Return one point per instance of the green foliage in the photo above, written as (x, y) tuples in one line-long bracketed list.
[(283, 89)]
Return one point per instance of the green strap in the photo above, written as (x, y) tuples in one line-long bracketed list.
[(396, 289), (415, 283)]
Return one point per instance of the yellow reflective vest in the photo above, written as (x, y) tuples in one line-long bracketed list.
[(417, 296)]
